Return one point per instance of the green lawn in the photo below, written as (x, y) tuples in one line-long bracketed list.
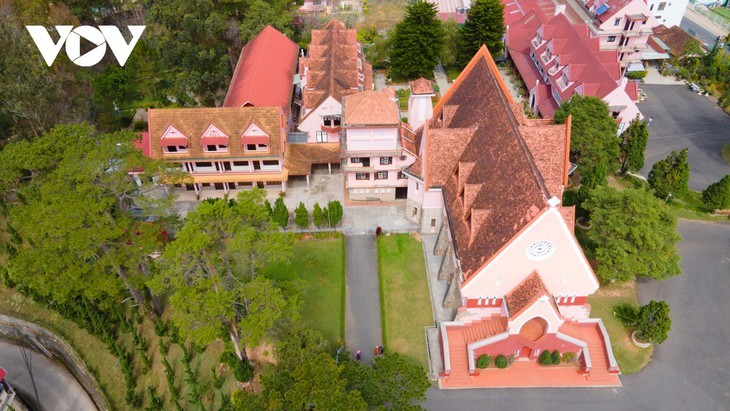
[(723, 12), (405, 300), (319, 264), (630, 357), (726, 153)]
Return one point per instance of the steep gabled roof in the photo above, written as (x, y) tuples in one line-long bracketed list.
[(264, 74), (475, 123), (525, 293), (331, 66)]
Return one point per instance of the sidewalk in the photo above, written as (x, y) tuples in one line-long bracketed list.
[(363, 326), (654, 77), (703, 21)]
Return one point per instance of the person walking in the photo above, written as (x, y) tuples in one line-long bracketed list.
[(376, 350), (648, 122), (358, 355), (381, 350)]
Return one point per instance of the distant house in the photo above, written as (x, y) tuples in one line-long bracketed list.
[(557, 58), (674, 38), (7, 394), (490, 182), (374, 153)]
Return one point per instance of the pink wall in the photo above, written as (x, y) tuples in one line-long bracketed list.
[(313, 122)]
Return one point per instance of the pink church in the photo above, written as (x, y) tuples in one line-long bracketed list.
[(490, 182)]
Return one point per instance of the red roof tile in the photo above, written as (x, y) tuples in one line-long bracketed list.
[(474, 124), (370, 108), (524, 294), (331, 66), (421, 86), (265, 71), (632, 89)]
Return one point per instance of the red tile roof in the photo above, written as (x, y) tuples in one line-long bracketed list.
[(421, 86), (370, 108), (632, 89), (475, 141), (265, 71), (332, 67), (525, 293), (408, 139), (674, 37)]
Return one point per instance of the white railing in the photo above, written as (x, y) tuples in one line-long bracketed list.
[(716, 18)]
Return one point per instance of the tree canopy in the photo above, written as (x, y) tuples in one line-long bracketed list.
[(717, 195), (69, 204), (593, 133), (670, 176), (484, 25), (653, 322), (632, 145), (209, 271), (417, 41), (634, 233)]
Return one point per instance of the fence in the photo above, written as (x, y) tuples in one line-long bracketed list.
[(716, 18)]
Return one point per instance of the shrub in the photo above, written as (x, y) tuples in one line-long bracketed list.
[(545, 358), (636, 75), (242, 370), (160, 328), (555, 356), (568, 357), (334, 213), (500, 361), (301, 216), (140, 125), (281, 213), (317, 215), (653, 322), (483, 361), (626, 314)]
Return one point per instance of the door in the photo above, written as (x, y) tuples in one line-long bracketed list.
[(525, 352)]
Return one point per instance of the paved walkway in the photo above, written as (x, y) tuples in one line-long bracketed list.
[(653, 76), (441, 79), (362, 306)]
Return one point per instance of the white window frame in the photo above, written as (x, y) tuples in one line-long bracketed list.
[(321, 136), (388, 161), (178, 150), (358, 176), (379, 173), (220, 148)]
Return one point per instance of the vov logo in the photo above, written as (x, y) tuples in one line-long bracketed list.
[(71, 37)]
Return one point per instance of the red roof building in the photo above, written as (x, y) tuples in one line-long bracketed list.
[(264, 75), (490, 182)]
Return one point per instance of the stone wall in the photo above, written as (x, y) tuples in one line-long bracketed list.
[(48, 343)]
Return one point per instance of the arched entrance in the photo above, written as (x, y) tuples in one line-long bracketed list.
[(534, 329)]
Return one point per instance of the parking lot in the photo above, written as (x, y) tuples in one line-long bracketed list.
[(683, 119)]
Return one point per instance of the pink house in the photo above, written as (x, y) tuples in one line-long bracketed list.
[(490, 182), (557, 58), (373, 147)]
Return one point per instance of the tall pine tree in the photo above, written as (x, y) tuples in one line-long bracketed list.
[(417, 41), (632, 145), (484, 25)]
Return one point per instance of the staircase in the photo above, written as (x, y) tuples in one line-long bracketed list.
[(482, 329)]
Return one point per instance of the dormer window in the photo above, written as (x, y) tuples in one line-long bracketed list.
[(255, 139), (331, 121), (175, 149), (257, 147), (216, 148)]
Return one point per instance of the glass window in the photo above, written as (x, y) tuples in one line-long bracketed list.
[(362, 176), (384, 161), (356, 160), (203, 164), (240, 163), (611, 39), (271, 162), (322, 136), (616, 22), (662, 6), (402, 175), (381, 175), (251, 147), (263, 147)]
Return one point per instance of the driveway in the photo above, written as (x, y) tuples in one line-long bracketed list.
[(683, 119), (362, 306), (690, 371), (56, 386)]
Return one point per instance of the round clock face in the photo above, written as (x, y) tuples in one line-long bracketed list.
[(540, 250)]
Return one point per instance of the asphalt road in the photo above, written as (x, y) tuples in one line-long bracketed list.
[(683, 119), (690, 371), (698, 31), (362, 307), (57, 388)]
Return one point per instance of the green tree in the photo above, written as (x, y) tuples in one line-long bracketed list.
[(392, 380), (484, 25), (653, 323), (334, 213), (590, 178), (632, 144), (634, 233), (670, 177), (301, 216), (69, 207), (317, 216), (417, 41), (209, 271), (450, 52), (555, 356), (593, 132), (281, 213), (545, 358), (260, 13), (267, 204), (717, 195)]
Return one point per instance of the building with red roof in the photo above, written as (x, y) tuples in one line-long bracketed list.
[(490, 182), (264, 75), (557, 58)]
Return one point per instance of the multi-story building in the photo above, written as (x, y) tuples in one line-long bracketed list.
[(373, 151), (222, 148), (557, 58), (668, 13), (490, 182)]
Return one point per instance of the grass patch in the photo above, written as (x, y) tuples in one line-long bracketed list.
[(404, 297), (318, 267), (723, 12), (726, 153), (452, 73), (403, 96), (630, 357)]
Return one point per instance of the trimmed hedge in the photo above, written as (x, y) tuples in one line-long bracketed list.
[(500, 361), (483, 361), (545, 358), (555, 357)]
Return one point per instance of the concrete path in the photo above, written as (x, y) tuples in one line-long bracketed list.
[(653, 76), (441, 79), (362, 306), (56, 386)]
